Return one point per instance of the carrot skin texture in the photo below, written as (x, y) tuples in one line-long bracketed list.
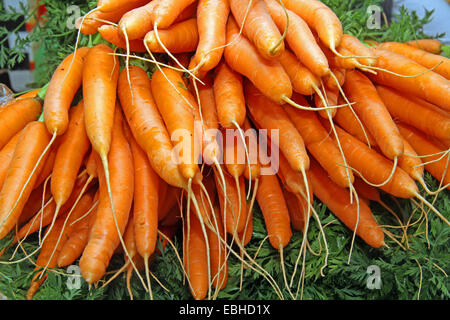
[(338, 201), (32, 142), (274, 209), (100, 76), (6, 155), (112, 35), (104, 237), (261, 72), (16, 115), (428, 45), (166, 12), (64, 84)]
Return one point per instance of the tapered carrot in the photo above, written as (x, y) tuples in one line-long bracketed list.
[(320, 144), (175, 103), (274, 209), (212, 16), (412, 112), (303, 81), (166, 12), (337, 200), (16, 115), (297, 210), (257, 24), (105, 237), (6, 155), (373, 113), (195, 257), (22, 173), (112, 35), (34, 204), (267, 75), (422, 83), (252, 169), (357, 48), (217, 253), (229, 97), (331, 96), (64, 84), (270, 116), (147, 125), (340, 74), (374, 167), (428, 45), (48, 167), (320, 18), (30, 94), (440, 63), (145, 205), (180, 37), (411, 163), (425, 147), (300, 38), (136, 22), (73, 147)]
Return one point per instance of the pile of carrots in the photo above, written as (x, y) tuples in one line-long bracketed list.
[(346, 120)]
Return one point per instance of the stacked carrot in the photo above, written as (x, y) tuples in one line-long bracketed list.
[(347, 121)]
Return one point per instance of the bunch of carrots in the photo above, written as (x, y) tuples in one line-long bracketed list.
[(98, 177)]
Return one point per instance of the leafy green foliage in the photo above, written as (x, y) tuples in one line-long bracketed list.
[(419, 272)]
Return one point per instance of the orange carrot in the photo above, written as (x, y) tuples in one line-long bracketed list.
[(217, 253), (332, 96), (229, 97), (16, 115), (180, 37), (166, 12), (274, 209), (267, 75), (429, 45), (212, 16), (337, 200), (297, 210), (20, 179), (426, 59), (357, 48), (111, 5), (6, 155), (373, 113), (411, 112), (258, 26), (104, 237), (63, 86), (147, 125), (427, 85)]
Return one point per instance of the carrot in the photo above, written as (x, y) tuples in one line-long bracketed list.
[(373, 113), (424, 147), (112, 35), (175, 103), (332, 96), (274, 209), (172, 218), (145, 212), (412, 112), (267, 75), (229, 97), (411, 163), (254, 171), (105, 236), (112, 5), (357, 48), (233, 220), (212, 16), (217, 253), (6, 155), (73, 147), (147, 125), (257, 25), (16, 115), (22, 173), (300, 39), (297, 210), (34, 203), (91, 166), (428, 45), (195, 257), (48, 167), (340, 74), (320, 18), (100, 75), (366, 191), (180, 37), (426, 59), (64, 84), (424, 84), (374, 167), (346, 120), (337, 199), (320, 144), (303, 81), (75, 244), (168, 202), (30, 94), (165, 13), (270, 116)]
